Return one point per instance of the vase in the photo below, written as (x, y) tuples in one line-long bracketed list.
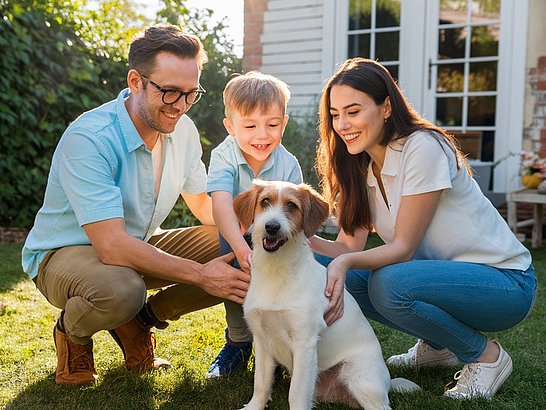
[(531, 181)]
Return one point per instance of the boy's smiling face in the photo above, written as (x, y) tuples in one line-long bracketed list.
[(257, 133)]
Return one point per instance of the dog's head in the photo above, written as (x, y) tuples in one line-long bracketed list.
[(278, 211)]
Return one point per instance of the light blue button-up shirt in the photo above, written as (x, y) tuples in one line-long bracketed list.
[(101, 169), (229, 171)]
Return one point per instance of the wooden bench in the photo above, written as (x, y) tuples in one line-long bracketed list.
[(530, 196)]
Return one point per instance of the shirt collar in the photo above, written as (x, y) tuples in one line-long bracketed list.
[(391, 164), (242, 161), (130, 134)]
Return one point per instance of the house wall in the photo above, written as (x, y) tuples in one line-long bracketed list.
[(253, 29), (291, 41), (535, 87)]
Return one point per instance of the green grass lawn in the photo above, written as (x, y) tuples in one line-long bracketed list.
[(27, 361)]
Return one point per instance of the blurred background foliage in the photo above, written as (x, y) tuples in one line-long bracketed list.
[(63, 57)]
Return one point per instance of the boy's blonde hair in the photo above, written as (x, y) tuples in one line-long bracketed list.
[(245, 93)]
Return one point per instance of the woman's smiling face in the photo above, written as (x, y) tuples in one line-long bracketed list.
[(356, 118)]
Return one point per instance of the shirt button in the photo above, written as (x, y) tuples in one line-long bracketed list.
[(142, 148)]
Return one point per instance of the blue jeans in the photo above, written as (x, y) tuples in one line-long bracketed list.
[(446, 303)]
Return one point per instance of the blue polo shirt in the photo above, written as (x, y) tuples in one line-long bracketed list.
[(229, 171), (101, 169)]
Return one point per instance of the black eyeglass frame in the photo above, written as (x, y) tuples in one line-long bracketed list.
[(198, 93)]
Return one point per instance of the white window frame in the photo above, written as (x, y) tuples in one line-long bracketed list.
[(418, 26)]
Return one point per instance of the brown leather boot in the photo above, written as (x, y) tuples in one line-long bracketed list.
[(138, 345), (74, 362)]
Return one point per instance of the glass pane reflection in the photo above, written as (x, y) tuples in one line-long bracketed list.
[(483, 76), (386, 46), (485, 10), (450, 78), (359, 45), (485, 41), (451, 43), (449, 111), (360, 14), (388, 13), (481, 111), (453, 11)]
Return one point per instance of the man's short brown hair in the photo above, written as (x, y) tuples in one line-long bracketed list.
[(164, 38)]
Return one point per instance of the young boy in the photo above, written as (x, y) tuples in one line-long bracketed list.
[(255, 109)]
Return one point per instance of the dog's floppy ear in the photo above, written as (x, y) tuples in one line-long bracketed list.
[(315, 210), (244, 205)]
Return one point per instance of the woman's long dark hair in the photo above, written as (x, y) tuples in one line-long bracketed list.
[(343, 175)]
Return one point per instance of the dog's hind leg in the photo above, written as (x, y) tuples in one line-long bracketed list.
[(264, 372), (368, 386)]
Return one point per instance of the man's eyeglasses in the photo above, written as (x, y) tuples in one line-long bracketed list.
[(169, 97)]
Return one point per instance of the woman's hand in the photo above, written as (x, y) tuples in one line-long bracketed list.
[(335, 288)]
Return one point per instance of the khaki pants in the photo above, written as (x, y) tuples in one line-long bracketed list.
[(97, 297)]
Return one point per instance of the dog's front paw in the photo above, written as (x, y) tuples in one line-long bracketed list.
[(254, 404)]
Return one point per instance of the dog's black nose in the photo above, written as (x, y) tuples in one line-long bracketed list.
[(272, 227)]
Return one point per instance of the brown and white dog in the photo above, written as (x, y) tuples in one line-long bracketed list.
[(285, 304)]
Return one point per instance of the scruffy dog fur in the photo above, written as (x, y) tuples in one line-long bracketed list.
[(285, 304)]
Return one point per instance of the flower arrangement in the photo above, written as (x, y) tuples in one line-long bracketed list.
[(531, 164), (532, 168)]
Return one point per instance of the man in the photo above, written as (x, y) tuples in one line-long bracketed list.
[(115, 175)]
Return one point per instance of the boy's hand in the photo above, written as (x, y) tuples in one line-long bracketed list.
[(243, 257)]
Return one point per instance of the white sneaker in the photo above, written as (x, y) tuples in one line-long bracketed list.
[(422, 355), (481, 379)]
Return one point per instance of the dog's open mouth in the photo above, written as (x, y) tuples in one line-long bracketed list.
[(272, 244)]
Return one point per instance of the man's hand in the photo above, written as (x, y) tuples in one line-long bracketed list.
[(223, 280), (335, 288)]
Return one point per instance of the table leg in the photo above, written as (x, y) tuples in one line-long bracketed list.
[(537, 227), (512, 216)]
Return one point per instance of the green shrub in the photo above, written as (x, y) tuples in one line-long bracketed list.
[(50, 77)]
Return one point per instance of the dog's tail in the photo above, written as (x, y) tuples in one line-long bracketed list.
[(401, 385)]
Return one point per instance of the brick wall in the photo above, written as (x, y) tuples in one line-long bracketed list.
[(253, 29), (537, 130)]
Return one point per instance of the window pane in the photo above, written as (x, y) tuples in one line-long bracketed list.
[(450, 78), (393, 69), (453, 11), (485, 10), (451, 43), (360, 14), (483, 76), (470, 143), (449, 111), (481, 111), (359, 45), (485, 41), (388, 13), (387, 46)]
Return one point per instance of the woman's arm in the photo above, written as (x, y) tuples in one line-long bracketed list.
[(413, 219), (344, 243)]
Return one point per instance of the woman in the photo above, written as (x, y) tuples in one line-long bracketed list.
[(450, 267)]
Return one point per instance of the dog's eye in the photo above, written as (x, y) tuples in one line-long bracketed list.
[(291, 205), (264, 203)]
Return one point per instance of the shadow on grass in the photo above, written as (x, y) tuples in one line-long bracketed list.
[(11, 271), (118, 389)]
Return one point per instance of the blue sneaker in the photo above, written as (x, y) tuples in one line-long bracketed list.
[(229, 360)]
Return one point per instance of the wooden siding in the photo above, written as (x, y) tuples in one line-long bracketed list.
[(292, 44)]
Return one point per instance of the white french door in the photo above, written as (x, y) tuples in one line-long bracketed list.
[(461, 63)]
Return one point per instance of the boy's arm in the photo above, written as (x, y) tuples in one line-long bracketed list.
[(228, 225)]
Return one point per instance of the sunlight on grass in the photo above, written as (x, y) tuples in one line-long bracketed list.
[(27, 361)]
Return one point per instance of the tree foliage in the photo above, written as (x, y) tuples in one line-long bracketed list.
[(60, 58), (50, 76)]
